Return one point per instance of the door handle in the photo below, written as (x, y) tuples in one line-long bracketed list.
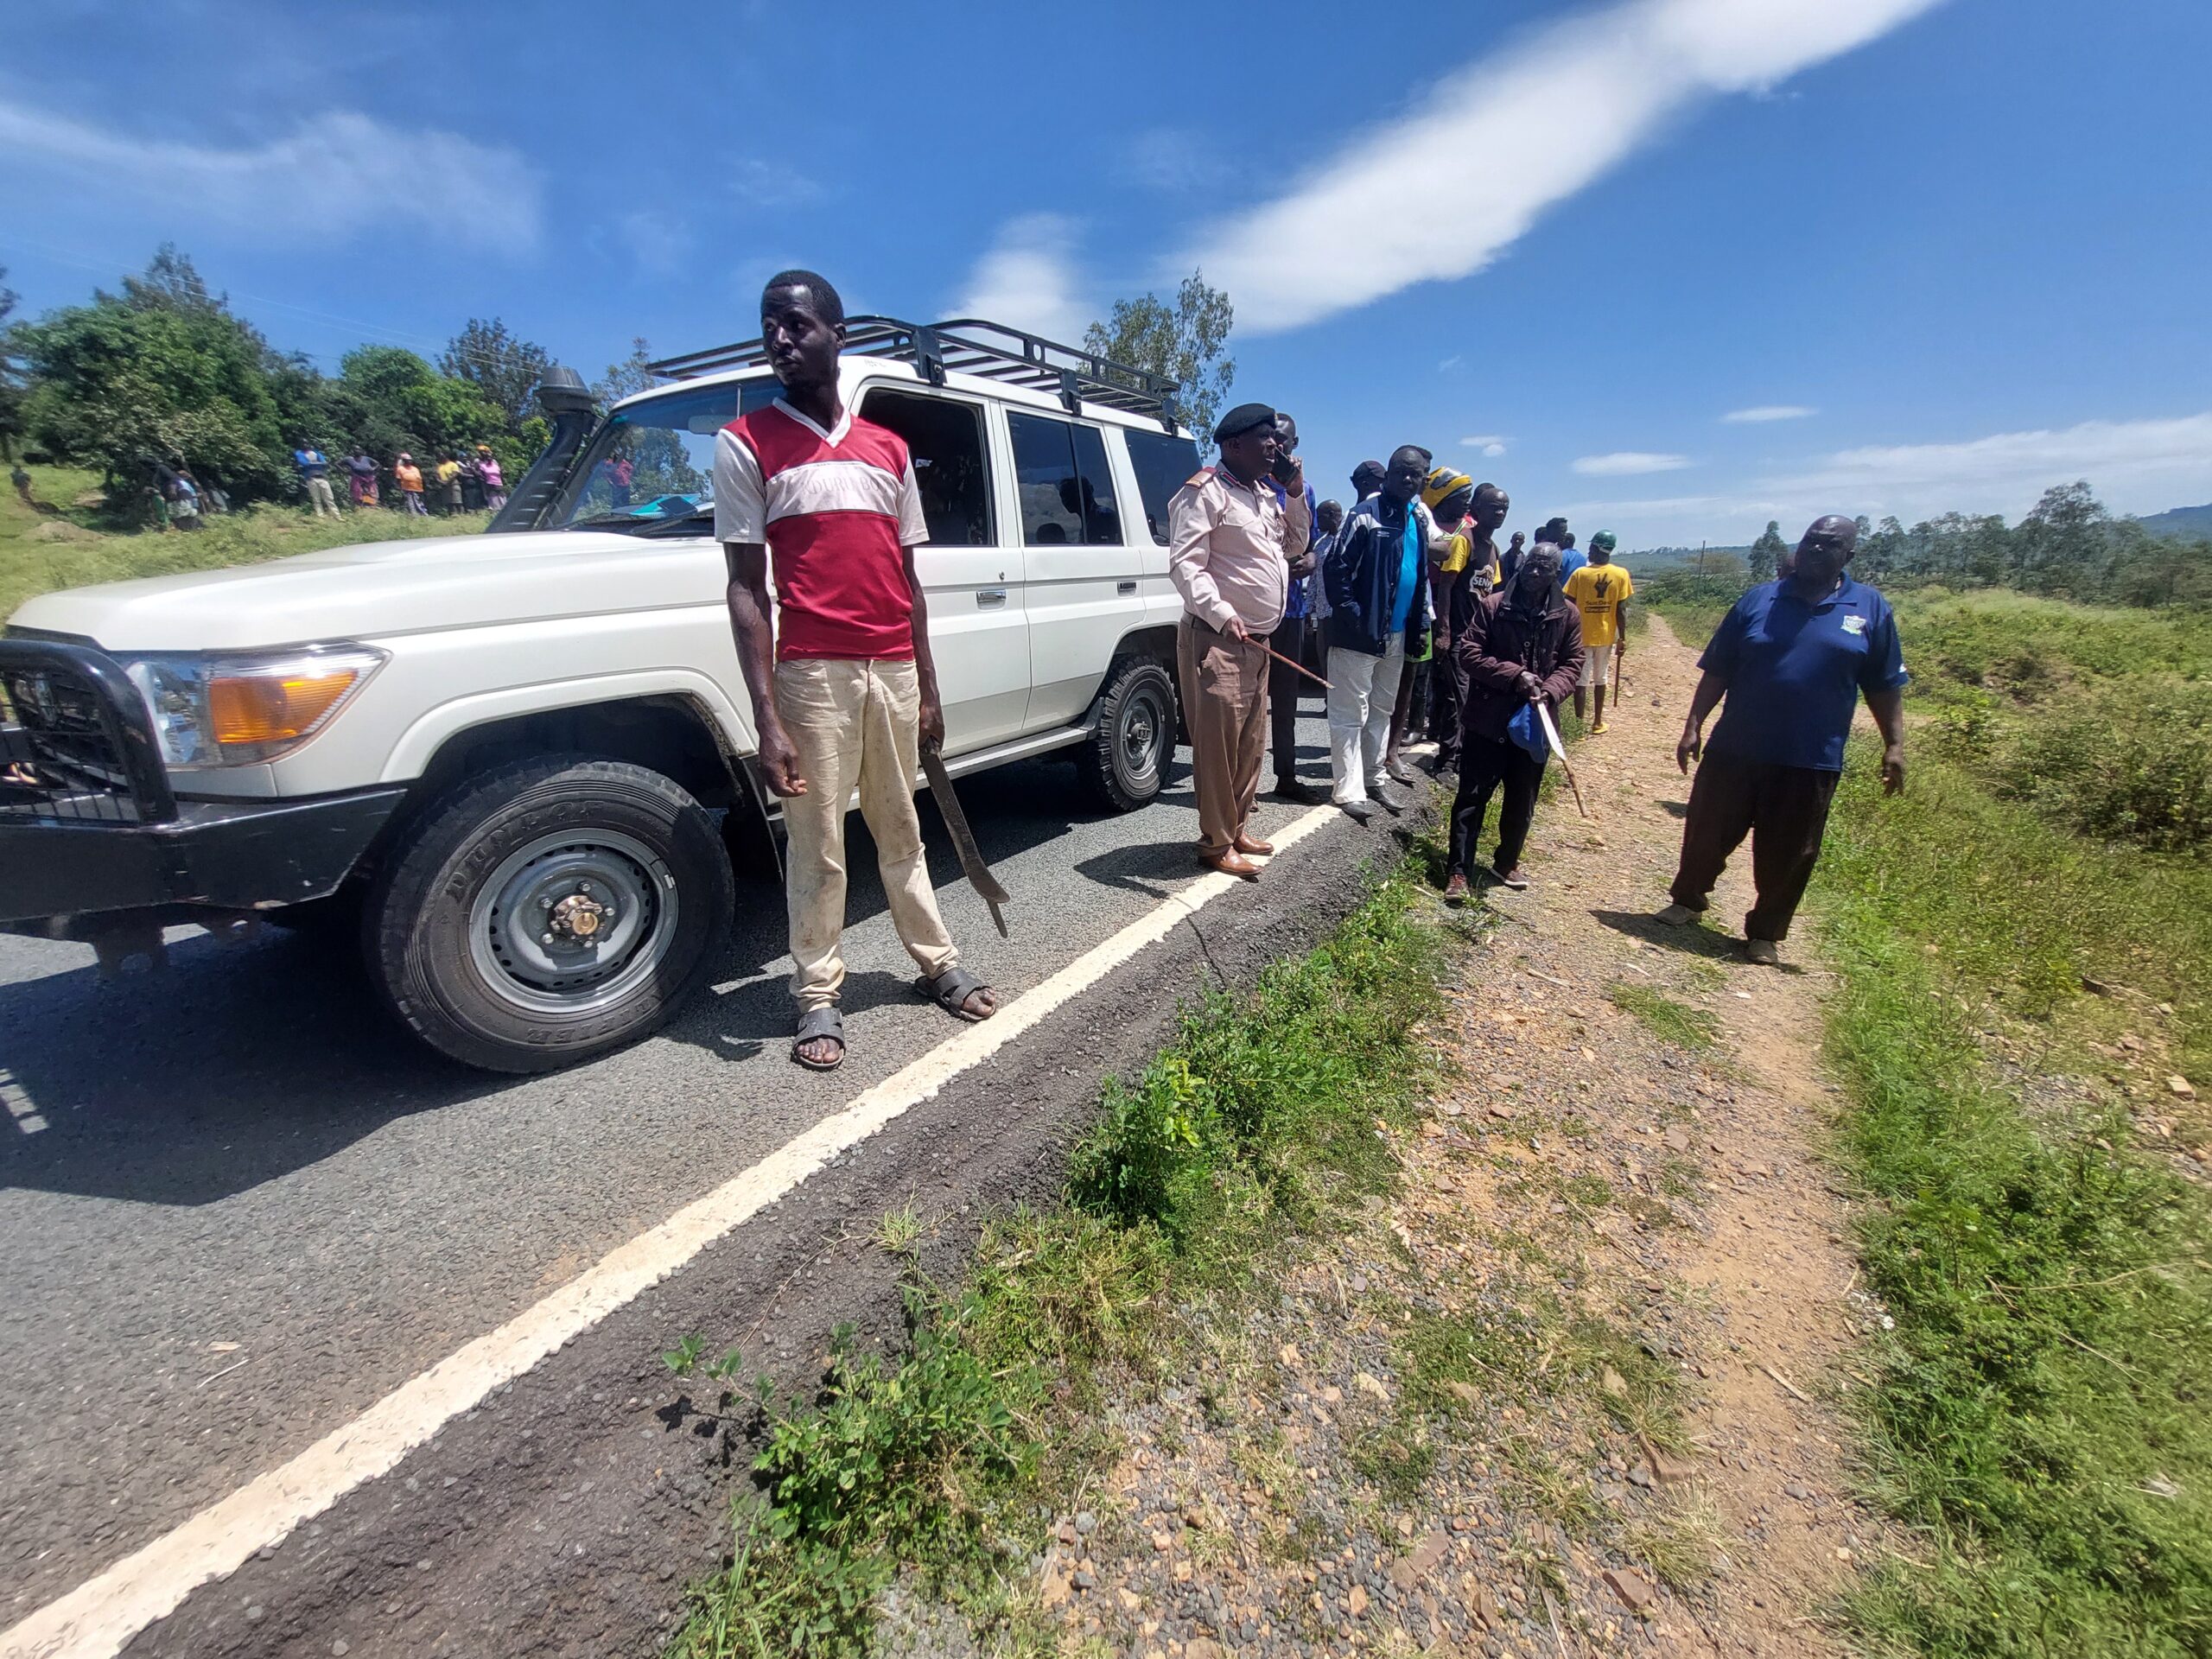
[(986, 597), (1125, 589)]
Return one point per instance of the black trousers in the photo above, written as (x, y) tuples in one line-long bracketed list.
[(1483, 767), (1289, 638), (1448, 696), (1784, 809)]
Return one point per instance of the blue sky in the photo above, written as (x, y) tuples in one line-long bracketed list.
[(1930, 253)]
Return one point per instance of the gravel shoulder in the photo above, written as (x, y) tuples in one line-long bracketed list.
[(1578, 1386)]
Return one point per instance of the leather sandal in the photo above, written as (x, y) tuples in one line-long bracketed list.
[(950, 990), (817, 1023)]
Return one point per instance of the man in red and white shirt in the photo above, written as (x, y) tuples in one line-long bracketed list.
[(847, 692)]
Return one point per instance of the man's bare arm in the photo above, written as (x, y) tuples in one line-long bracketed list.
[(1888, 710), (749, 625), (932, 717), (1711, 688)]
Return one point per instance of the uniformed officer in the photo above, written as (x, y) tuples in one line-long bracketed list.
[(1229, 548)]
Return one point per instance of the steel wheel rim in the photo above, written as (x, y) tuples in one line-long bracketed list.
[(1142, 720), (590, 871)]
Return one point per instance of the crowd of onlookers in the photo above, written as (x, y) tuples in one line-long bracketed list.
[(455, 481)]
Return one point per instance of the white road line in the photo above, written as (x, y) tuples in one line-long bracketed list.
[(94, 1620)]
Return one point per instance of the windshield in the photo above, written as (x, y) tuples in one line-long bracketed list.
[(652, 463)]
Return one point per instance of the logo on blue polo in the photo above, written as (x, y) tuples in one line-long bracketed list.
[(1854, 623)]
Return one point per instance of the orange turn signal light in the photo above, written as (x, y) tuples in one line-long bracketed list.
[(276, 707)]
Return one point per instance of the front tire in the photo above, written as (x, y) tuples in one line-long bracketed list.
[(1125, 764), (549, 910)]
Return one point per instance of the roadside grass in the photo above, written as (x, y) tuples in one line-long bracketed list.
[(1669, 1021), (943, 1467), (45, 551), (2044, 1420)]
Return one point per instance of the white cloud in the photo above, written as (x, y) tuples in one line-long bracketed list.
[(1759, 413), (329, 179), (765, 184), (1489, 444), (2137, 467), (1174, 160), (1623, 71), (1626, 463), (660, 242), (1450, 363), (1027, 280)]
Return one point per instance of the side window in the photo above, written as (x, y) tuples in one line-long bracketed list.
[(946, 442), (1066, 489), (1163, 465)]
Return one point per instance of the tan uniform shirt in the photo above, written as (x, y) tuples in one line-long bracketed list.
[(1229, 547)]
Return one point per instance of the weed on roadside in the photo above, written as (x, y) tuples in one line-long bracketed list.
[(1262, 1116), (1669, 1021)]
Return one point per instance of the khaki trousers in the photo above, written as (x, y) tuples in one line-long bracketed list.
[(1224, 684), (855, 724), (319, 499)]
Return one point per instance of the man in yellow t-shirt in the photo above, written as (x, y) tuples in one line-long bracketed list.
[(1600, 590)]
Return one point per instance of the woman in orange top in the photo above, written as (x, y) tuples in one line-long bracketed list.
[(409, 477)]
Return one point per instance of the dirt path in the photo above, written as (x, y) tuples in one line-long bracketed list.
[(1574, 1389)]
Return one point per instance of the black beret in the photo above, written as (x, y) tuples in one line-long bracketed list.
[(1242, 418)]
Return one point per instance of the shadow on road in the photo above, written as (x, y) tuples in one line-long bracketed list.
[(1691, 940), (244, 1063)]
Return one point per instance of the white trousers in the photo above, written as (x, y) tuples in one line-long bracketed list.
[(1363, 692)]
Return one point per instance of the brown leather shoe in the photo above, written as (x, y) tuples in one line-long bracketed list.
[(1229, 862), (1254, 849)]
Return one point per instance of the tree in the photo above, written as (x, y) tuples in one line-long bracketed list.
[(2063, 544), (628, 377), (504, 369), (162, 374), (11, 385), (1185, 341), (1766, 554)]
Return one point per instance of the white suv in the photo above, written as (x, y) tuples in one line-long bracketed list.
[(448, 743)]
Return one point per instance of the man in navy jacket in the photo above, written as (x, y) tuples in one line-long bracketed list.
[(1375, 578)]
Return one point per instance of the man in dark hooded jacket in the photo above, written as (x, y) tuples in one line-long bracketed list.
[(1521, 645)]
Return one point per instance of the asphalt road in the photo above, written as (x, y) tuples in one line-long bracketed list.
[(236, 1205)]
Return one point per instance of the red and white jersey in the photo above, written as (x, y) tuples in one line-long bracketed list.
[(834, 508)]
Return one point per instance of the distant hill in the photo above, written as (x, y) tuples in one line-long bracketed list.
[(2183, 523)]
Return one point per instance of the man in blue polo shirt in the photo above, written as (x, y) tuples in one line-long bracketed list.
[(1792, 658)]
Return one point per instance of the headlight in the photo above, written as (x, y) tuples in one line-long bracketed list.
[(227, 711)]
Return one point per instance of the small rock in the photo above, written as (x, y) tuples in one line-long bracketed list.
[(1501, 1113), (1677, 1138), (1798, 1490), (1639, 1476), (1183, 1572), (1613, 1383), (2182, 1086), (339, 1649), (255, 1614), (1162, 1542), (1355, 1603), (1086, 1523), (1084, 1578), (1634, 1593), (1288, 1354), (1373, 1385)]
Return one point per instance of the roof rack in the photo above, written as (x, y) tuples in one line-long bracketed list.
[(972, 346)]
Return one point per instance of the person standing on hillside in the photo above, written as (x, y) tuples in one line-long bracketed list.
[(843, 686), (362, 477), (1230, 545), (495, 481), (409, 477), (1521, 646), (1600, 590), (1791, 660), (22, 480), (448, 475), (1376, 578), (1289, 640), (314, 477)]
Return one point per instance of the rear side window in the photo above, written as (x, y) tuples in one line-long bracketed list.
[(1066, 489), (946, 442), (1163, 465)]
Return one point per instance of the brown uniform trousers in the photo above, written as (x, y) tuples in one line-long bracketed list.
[(1784, 809), (1224, 685)]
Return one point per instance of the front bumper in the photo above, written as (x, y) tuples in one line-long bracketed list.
[(222, 856), (90, 827)]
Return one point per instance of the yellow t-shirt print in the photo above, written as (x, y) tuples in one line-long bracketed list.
[(1597, 591)]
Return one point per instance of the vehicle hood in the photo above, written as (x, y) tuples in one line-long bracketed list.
[(383, 589)]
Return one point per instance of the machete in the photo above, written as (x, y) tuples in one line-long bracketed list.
[(1551, 737), (963, 839)]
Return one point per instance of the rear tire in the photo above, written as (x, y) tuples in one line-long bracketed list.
[(549, 910), (1125, 764)]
